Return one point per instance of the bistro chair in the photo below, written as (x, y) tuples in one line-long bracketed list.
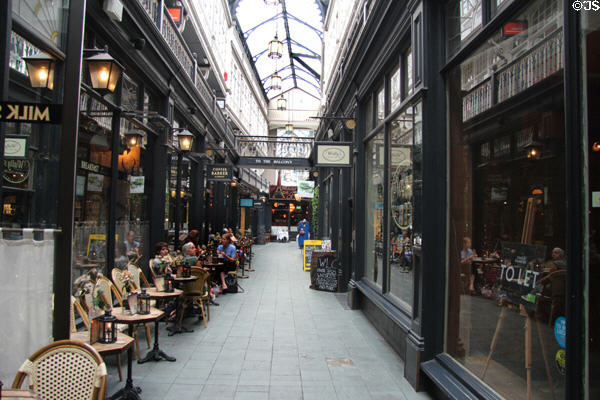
[(65, 369), (76, 306), (119, 284), (196, 293), (138, 276)]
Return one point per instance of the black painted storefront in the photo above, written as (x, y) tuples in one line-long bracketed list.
[(420, 334)]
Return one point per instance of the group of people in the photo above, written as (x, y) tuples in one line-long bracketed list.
[(193, 254)]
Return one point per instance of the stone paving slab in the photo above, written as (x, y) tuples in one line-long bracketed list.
[(277, 340)]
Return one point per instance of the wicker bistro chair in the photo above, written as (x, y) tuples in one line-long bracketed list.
[(64, 369), (120, 286), (138, 275), (196, 293)]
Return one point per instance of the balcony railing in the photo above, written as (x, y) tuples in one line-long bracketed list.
[(163, 21)]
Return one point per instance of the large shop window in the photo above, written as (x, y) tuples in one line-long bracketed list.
[(507, 268), (375, 191), (404, 188)]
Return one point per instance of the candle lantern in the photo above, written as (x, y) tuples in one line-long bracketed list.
[(169, 283), (108, 327), (143, 302), (186, 270)]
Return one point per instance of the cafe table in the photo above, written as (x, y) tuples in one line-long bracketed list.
[(185, 279), (130, 391), (156, 353), (123, 343)]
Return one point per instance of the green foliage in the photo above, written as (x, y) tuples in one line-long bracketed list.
[(314, 224), (99, 300)]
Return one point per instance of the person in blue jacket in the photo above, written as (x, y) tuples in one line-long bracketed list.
[(303, 232)]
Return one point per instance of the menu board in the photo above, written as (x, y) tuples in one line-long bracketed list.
[(309, 247), (325, 271), (520, 270)]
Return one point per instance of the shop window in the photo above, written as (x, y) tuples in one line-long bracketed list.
[(407, 64), (508, 222), (463, 18), (404, 181), (380, 105), (395, 93), (375, 192), (498, 5)]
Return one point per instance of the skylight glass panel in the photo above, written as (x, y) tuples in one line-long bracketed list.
[(260, 22)]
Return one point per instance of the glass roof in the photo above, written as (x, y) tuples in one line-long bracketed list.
[(299, 25)]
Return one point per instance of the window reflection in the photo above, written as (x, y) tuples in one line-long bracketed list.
[(375, 155)]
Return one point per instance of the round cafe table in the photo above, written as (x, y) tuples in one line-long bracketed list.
[(123, 343), (130, 391), (156, 353)]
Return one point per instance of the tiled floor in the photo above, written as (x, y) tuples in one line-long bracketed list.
[(277, 340)]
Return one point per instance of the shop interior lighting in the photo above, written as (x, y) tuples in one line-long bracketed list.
[(289, 127), (596, 146), (40, 68)]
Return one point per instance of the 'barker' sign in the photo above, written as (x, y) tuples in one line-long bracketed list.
[(520, 269), (30, 112)]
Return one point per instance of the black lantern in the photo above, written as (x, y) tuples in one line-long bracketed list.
[(185, 140), (133, 138), (143, 302), (275, 48), (281, 103), (108, 327), (40, 68), (275, 81), (186, 270), (105, 72), (169, 283)]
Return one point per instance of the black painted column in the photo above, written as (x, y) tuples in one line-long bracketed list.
[(67, 166), (157, 187), (197, 200), (6, 22)]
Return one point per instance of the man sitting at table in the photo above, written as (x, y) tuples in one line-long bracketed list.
[(228, 252)]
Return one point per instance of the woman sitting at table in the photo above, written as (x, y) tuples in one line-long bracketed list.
[(161, 263), (190, 255), (228, 252)]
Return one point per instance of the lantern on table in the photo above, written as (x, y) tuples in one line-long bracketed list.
[(186, 270), (169, 283), (108, 327), (143, 302)]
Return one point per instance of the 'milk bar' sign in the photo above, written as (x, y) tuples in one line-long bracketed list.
[(30, 112)]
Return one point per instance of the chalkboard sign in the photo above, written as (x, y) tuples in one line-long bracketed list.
[(325, 271), (309, 247), (520, 270)]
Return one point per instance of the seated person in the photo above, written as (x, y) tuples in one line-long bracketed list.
[(161, 263), (189, 255), (466, 257), (121, 259), (228, 252), (133, 247)]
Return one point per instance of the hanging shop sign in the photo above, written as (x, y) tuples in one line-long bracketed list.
[(306, 189), (333, 154), (30, 112), (136, 184), (220, 173), (278, 192), (176, 13), (15, 147), (513, 28), (16, 171), (246, 202), (273, 162), (258, 204)]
